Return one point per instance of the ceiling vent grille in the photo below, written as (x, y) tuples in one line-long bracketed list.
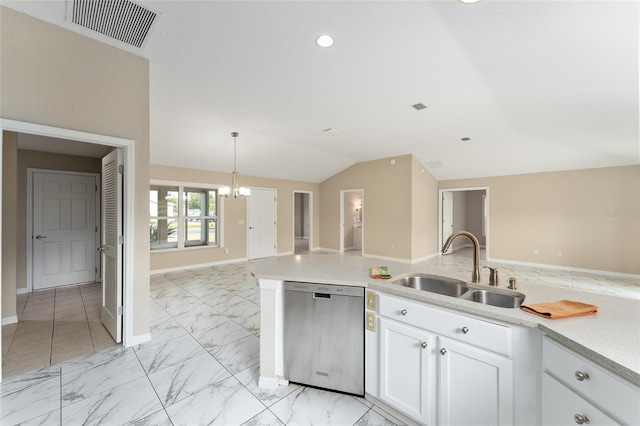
[(122, 20), (419, 106)]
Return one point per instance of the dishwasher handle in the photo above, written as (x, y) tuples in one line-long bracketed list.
[(321, 295)]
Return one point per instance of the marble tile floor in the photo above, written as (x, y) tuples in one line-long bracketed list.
[(53, 325), (200, 368)]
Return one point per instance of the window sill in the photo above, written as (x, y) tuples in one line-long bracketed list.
[(169, 250)]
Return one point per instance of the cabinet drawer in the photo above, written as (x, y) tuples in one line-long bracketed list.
[(605, 389), (483, 334), (562, 406)]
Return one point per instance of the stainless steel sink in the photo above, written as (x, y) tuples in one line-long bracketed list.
[(433, 284), (459, 289), (493, 298)]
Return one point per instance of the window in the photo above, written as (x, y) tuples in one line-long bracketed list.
[(182, 217)]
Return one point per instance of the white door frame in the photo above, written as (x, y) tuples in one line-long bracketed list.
[(128, 149), (310, 193), (30, 173), (344, 192), (474, 188)]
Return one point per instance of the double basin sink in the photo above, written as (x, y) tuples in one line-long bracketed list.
[(461, 290)]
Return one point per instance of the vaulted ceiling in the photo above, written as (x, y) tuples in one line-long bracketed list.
[(534, 85)]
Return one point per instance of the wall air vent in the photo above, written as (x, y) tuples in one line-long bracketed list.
[(122, 20), (419, 106)]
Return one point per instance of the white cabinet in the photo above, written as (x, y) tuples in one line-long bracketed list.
[(439, 367), (475, 385), (576, 390), (407, 375)]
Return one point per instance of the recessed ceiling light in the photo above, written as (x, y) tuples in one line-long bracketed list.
[(468, 1), (325, 40)]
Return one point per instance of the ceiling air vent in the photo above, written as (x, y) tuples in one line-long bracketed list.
[(122, 20), (419, 106)]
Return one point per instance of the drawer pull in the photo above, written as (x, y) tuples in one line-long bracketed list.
[(443, 351), (424, 345), (465, 330), (580, 376), (403, 312), (580, 419)]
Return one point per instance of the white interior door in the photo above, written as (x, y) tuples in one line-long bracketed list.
[(64, 229), (111, 245), (447, 218), (261, 218)]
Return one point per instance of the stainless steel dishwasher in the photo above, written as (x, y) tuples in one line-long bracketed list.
[(324, 336)]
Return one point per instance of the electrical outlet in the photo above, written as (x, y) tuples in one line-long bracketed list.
[(393, 246), (226, 250), (535, 251), (371, 321), (558, 253)]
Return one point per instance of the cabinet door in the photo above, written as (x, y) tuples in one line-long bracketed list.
[(407, 380), (562, 406), (475, 386)]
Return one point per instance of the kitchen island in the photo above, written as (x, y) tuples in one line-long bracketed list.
[(609, 338)]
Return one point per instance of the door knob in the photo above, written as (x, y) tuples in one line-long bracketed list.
[(40, 237), (443, 351), (424, 345), (101, 249), (251, 227)]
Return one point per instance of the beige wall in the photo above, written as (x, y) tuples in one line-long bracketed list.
[(235, 210), (54, 77), (9, 217), (400, 207), (424, 220), (591, 216), (41, 160)]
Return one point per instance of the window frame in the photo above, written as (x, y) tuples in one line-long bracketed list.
[(182, 218)]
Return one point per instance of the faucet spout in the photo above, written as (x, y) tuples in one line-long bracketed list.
[(475, 275)]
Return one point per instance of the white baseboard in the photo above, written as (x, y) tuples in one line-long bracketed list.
[(284, 253), (565, 268), (199, 265), (422, 259), (9, 320), (325, 249), (23, 290), (139, 339), (390, 259)]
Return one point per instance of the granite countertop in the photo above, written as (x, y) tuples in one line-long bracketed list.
[(610, 337)]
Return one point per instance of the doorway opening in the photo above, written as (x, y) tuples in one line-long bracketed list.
[(465, 209), (302, 220), (352, 221), (64, 302)]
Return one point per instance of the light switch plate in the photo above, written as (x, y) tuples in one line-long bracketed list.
[(371, 321), (372, 300)]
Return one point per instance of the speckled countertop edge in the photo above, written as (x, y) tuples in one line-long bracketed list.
[(610, 338)]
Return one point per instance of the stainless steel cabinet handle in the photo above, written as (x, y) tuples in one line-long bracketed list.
[(580, 419), (580, 376), (465, 330), (424, 345), (403, 312), (40, 237), (443, 351)]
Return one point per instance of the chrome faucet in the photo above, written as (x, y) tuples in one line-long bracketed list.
[(475, 275)]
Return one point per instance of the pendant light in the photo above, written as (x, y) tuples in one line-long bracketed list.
[(234, 190)]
